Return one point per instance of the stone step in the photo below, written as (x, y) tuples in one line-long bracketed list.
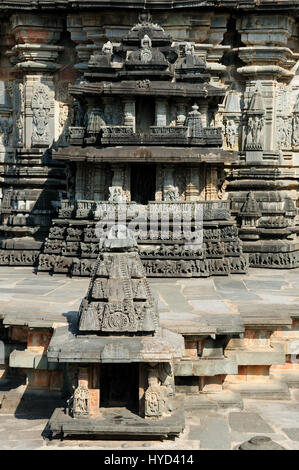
[(199, 402), (227, 399), (268, 390)]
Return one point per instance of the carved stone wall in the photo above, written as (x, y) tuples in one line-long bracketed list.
[(250, 57)]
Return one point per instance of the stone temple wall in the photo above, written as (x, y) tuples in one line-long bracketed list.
[(251, 51)]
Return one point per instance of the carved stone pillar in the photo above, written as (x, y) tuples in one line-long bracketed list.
[(170, 191), (34, 57), (116, 190), (181, 113), (84, 181), (99, 183), (267, 63), (161, 112), (156, 403), (129, 112), (211, 183), (203, 109), (94, 389), (192, 183)]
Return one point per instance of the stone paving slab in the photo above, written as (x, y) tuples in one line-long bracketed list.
[(292, 433), (211, 302), (248, 422), (214, 434), (205, 429), (255, 297)]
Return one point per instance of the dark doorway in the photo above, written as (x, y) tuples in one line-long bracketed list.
[(119, 386), (143, 183), (145, 114)]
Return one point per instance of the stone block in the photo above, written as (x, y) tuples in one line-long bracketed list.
[(206, 367), (256, 357), (39, 339), (263, 391)]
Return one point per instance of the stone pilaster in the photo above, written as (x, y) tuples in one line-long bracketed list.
[(161, 112), (211, 190), (192, 183), (181, 112), (129, 112)]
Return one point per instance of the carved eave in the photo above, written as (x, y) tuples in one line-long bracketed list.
[(263, 5), (66, 346), (145, 154), (156, 88)]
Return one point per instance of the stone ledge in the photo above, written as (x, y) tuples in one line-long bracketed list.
[(31, 360), (206, 367), (256, 357), (268, 390), (291, 378)]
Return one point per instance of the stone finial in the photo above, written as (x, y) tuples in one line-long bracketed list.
[(119, 238)]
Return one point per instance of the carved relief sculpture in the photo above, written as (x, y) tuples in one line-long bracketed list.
[(81, 401), (40, 105)]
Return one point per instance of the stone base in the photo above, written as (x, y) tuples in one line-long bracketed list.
[(199, 402), (117, 422), (214, 401), (289, 378), (19, 257), (23, 401), (73, 245), (226, 399), (271, 390), (275, 254)]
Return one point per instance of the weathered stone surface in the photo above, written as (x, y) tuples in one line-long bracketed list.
[(213, 434), (292, 433), (263, 390), (260, 443), (118, 422), (208, 367), (248, 422)]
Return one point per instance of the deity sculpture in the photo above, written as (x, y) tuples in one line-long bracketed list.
[(146, 53), (156, 396), (254, 132), (107, 48), (231, 132), (81, 401)]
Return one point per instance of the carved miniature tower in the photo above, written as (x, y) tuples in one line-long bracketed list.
[(123, 358), (145, 138)]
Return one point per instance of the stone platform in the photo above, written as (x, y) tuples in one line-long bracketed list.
[(188, 306), (117, 422), (206, 429), (260, 301)]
